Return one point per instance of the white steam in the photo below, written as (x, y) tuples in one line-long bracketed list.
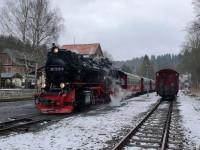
[(119, 94)]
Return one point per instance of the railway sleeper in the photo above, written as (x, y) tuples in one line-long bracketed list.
[(163, 117), (175, 135), (156, 123), (153, 133), (145, 141), (147, 135), (151, 129), (176, 132), (156, 117), (175, 146), (179, 142), (143, 146), (175, 126), (152, 137), (153, 126)]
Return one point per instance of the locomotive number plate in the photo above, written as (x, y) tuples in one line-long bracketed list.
[(56, 69)]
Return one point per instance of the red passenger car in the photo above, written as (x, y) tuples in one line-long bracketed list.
[(135, 84), (167, 83)]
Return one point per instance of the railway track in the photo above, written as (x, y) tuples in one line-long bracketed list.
[(152, 132), (21, 124), (33, 121)]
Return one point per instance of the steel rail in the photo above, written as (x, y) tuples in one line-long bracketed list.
[(165, 135), (31, 120), (15, 126), (21, 122), (125, 140), (18, 119)]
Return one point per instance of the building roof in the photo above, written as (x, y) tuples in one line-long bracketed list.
[(85, 49), (19, 58)]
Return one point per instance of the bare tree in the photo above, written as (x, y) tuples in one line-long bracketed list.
[(31, 21), (191, 48), (14, 18), (44, 23)]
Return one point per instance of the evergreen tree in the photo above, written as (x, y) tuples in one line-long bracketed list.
[(126, 68), (146, 68)]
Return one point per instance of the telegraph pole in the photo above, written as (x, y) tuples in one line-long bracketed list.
[(1, 68), (36, 67), (147, 75)]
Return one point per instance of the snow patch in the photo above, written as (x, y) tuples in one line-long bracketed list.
[(84, 131), (190, 111)]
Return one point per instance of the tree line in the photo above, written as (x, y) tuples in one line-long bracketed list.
[(147, 65), (190, 53)]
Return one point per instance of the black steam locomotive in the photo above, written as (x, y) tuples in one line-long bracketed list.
[(73, 81)]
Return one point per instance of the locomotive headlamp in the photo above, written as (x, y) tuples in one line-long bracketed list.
[(62, 85), (43, 85), (55, 50)]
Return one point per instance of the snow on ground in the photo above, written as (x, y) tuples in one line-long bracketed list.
[(190, 111), (84, 131)]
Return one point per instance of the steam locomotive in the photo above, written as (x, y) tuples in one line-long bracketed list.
[(73, 81)]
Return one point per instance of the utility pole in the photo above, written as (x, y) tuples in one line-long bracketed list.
[(74, 38), (147, 75), (36, 67), (1, 68), (26, 72)]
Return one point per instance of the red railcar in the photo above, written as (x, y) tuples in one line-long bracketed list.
[(135, 84), (167, 83)]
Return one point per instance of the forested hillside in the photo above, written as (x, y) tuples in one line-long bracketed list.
[(190, 60), (147, 66)]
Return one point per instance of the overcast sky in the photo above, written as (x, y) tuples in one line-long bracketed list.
[(126, 28)]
